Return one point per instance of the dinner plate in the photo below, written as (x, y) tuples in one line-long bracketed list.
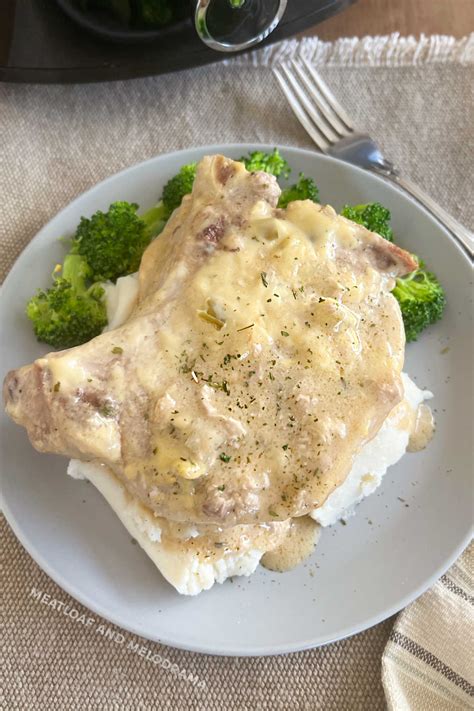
[(400, 541)]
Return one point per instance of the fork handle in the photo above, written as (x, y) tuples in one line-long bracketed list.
[(462, 234)]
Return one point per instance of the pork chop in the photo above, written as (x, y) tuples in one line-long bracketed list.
[(264, 351)]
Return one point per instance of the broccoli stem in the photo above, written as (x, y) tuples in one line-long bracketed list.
[(76, 271)]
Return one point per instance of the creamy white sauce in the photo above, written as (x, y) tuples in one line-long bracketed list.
[(312, 299), (370, 465), (190, 573), (423, 430), (298, 545), (175, 555), (308, 298)]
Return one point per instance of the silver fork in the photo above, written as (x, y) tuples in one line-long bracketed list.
[(333, 132)]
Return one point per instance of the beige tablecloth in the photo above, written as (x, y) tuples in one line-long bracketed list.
[(416, 99)]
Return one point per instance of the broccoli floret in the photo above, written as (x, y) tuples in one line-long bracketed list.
[(68, 313), (304, 189), (422, 301), (272, 163), (113, 242), (374, 216), (176, 188)]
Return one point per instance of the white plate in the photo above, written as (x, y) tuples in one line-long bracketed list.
[(402, 538)]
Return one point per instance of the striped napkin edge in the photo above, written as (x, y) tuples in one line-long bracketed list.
[(427, 662)]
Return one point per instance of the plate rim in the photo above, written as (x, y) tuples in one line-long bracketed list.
[(201, 648), (263, 651)]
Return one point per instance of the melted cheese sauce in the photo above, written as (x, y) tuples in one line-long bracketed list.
[(423, 429), (213, 542), (253, 413), (298, 544), (263, 353), (302, 367), (192, 557)]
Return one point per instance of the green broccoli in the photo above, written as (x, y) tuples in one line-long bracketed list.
[(272, 163), (422, 300), (374, 216), (177, 187), (112, 242), (304, 189), (69, 313)]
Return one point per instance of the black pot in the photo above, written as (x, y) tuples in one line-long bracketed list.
[(41, 43)]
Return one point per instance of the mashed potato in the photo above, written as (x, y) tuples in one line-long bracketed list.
[(189, 559), (120, 298)]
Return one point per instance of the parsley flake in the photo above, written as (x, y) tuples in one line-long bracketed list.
[(106, 410)]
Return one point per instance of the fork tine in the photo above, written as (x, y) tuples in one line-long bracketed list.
[(300, 113), (328, 95), (310, 108), (323, 107)]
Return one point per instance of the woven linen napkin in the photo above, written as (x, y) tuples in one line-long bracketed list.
[(428, 661), (415, 97)]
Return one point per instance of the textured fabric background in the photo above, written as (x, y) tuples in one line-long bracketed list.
[(53, 662), (60, 140)]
